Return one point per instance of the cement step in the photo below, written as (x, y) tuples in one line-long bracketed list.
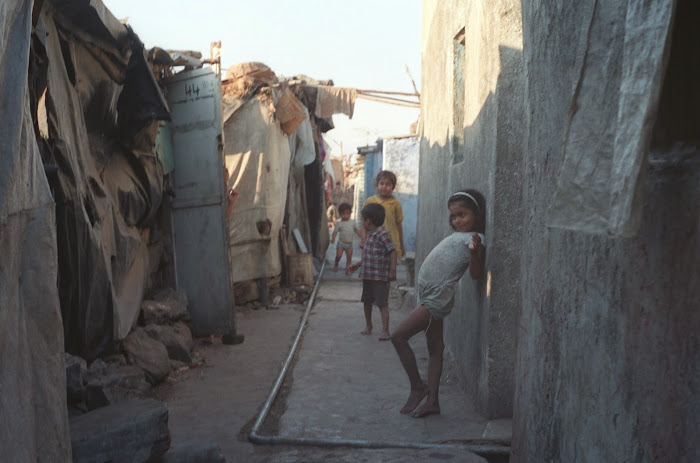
[(127, 432)]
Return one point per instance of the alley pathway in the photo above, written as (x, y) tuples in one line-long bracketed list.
[(342, 385)]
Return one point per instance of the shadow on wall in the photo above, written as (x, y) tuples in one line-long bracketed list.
[(481, 331)]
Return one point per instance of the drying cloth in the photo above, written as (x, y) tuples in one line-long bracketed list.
[(333, 100)]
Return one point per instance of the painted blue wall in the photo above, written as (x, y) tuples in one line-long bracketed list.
[(373, 165), (400, 155)]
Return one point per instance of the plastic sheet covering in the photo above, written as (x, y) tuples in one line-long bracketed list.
[(33, 413), (109, 179), (609, 132), (258, 159)]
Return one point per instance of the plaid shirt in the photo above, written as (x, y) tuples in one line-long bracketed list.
[(375, 255)]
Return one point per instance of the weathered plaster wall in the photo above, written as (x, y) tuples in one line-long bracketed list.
[(480, 332), (608, 365)]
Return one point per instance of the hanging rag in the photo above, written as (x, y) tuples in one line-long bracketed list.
[(333, 100)]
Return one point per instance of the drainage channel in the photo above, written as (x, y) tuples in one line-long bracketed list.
[(483, 449)]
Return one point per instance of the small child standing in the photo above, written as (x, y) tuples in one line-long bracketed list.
[(386, 183), (344, 228), (442, 268), (378, 267)]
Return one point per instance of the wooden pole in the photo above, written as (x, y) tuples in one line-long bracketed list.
[(385, 92), (394, 101), (413, 82)]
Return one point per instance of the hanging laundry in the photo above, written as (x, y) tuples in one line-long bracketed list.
[(333, 100)]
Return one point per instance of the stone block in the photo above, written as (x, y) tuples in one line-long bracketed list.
[(98, 368), (133, 431), (76, 372), (124, 383), (148, 354), (166, 306), (176, 338)]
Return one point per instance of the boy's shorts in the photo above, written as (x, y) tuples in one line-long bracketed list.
[(375, 292), (342, 245)]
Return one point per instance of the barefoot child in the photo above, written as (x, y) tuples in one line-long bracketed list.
[(344, 228), (378, 267), (443, 267), (386, 183)]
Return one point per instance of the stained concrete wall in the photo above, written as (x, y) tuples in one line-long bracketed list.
[(608, 365), (472, 137)]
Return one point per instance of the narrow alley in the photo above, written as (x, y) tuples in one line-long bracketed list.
[(177, 180)]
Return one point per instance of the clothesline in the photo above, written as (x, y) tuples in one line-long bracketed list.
[(373, 95), (359, 90)]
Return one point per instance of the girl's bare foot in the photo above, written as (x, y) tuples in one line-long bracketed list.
[(426, 409), (335, 269), (367, 331), (348, 271), (414, 399), (385, 336)]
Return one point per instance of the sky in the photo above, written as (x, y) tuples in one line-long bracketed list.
[(365, 44)]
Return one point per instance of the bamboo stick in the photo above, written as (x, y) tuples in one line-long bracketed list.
[(385, 92), (394, 101)]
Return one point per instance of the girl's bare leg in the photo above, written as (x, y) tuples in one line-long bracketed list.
[(368, 318), (416, 321), (436, 346)]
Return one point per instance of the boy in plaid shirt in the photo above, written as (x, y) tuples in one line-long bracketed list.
[(378, 267)]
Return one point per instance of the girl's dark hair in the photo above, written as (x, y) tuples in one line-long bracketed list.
[(387, 174), (478, 207)]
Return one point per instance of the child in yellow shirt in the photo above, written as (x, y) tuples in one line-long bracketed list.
[(386, 183)]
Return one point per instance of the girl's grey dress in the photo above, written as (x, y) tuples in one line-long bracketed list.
[(443, 267)]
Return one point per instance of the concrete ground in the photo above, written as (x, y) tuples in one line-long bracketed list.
[(341, 385)]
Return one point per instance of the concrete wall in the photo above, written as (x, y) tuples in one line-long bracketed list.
[(471, 136), (401, 157), (607, 367)]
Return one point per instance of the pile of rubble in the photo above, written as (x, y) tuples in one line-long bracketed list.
[(113, 416), (161, 343)]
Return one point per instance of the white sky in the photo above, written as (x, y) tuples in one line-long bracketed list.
[(364, 44)]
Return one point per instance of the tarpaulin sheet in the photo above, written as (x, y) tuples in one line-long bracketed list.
[(615, 103), (109, 178), (33, 412), (258, 159)]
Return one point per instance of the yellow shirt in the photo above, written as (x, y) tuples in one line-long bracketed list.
[(392, 219)]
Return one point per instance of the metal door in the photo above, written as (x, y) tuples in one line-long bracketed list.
[(199, 225)]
